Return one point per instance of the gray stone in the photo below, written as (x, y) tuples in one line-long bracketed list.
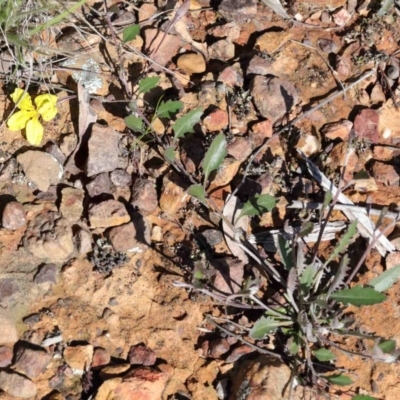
[(40, 168), (103, 150)]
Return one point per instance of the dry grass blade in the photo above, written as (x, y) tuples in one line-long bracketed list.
[(365, 226)]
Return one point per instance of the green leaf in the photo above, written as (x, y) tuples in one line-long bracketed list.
[(130, 32), (339, 379), (198, 192), (214, 156), (148, 83), (258, 205), (186, 123), (286, 252), (358, 296), (363, 397), (134, 123), (386, 280), (263, 326), (168, 109), (306, 279), (388, 346), (293, 344), (169, 154), (306, 229), (343, 242), (324, 355)]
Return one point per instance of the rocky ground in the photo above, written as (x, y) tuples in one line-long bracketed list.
[(96, 226)]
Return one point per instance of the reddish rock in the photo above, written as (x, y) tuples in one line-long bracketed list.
[(273, 97), (230, 30), (238, 353), (231, 76), (6, 356), (101, 357), (385, 153), (103, 150), (141, 355), (144, 196), (173, 195), (47, 273), (266, 378), (17, 385), (259, 66), (223, 50), (99, 185), (240, 149), (337, 130), (107, 214), (169, 47), (385, 174), (366, 125), (13, 217), (341, 17), (121, 178), (216, 120), (31, 361), (218, 347), (72, 203), (238, 10), (123, 239)]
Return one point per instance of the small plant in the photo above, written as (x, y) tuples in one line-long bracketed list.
[(314, 293), (28, 117)]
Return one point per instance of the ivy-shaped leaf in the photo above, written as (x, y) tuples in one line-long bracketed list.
[(186, 123), (258, 205), (214, 156), (306, 279), (386, 280), (134, 123), (168, 109), (339, 379), (146, 84), (169, 154), (198, 192), (343, 242), (358, 296), (130, 32), (324, 355)]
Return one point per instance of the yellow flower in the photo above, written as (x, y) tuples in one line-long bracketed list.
[(28, 116)]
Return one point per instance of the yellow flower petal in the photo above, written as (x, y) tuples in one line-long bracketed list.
[(34, 131), (26, 102), (47, 106), (19, 120)]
